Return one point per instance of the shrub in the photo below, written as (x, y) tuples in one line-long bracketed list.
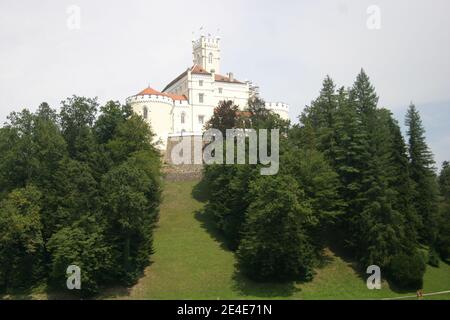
[(407, 270)]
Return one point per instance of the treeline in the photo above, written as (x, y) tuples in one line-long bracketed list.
[(347, 176), (76, 188)]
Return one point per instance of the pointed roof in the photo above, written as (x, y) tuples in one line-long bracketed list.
[(150, 91)]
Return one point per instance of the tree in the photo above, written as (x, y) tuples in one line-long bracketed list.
[(62, 178), (379, 229), (259, 117), (112, 114), (407, 270), (225, 116), (348, 162), (228, 184), (444, 181), (361, 142), (228, 201), (77, 118), (18, 164), (74, 192), (21, 242), (275, 242), (400, 178), (318, 180), (422, 174), (131, 214), (132, 135), (82, 244), (321, 117), (443, 239), (49, 146)]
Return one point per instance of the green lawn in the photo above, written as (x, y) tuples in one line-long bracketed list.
[(190, 262)]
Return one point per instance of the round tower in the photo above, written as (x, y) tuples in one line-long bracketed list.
[(156, 108)]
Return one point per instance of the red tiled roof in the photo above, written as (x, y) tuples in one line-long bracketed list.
[(221, 78), (149, 91), (175, 96), (196, 69)]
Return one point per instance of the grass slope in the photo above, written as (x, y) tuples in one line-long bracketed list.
[(191, 262)]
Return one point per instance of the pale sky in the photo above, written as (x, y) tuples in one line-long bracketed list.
[(286, 47)]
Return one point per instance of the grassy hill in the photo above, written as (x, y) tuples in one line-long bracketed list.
[(191, 262)]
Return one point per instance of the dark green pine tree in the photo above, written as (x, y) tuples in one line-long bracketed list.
[(443, 242), (378, 228), (400, 179), (348, 158), (444, 181), (321, 118), (423, 176)]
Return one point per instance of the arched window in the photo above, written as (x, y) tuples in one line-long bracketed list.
[(145, 113), (210, 58), (183, 117)]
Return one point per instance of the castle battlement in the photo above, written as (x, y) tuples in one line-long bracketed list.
[(277, 105), (208, 41), (150, 98)]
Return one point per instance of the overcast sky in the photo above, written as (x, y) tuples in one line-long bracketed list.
[(286, 47)]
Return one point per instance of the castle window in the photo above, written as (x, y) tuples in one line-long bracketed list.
[(183, 117), (145, 113), (201, 97), (201, 119), (220, 90), (200, 83), (210, 58)]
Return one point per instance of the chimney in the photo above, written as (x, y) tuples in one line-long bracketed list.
[(231, 76)]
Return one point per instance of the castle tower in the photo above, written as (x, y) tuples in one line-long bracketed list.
[(206, 53)]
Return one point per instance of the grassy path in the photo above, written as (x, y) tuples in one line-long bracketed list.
[(190, 262)]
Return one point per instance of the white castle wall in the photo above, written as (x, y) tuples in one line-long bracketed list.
[(160, 110), (282, 109)]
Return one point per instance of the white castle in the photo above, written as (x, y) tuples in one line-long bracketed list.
[(184, 106)]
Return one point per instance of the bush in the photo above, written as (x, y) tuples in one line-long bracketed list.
[(407, 270), (433, 258)]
